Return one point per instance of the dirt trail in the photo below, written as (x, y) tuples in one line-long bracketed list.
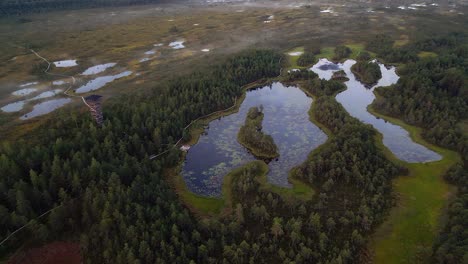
[(46, 71)]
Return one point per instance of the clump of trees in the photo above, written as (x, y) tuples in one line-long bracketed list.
[(251, 136), (306, 59), (341, 52), (364, 56), (380, 43), (367, 72), (322, 87), (299, 74), (340, 76)]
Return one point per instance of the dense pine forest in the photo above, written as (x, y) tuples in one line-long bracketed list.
[(102, 175), (110, 196)]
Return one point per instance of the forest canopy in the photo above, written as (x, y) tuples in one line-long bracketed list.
[(367, 72)]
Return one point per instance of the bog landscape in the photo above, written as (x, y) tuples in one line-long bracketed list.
[(287, 131)]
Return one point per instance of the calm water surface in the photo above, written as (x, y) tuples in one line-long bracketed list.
[(46, 94), (65, 63), (100, 82), (98, 68), (286, 120), (13, 107), (24, 91), (46, 107), (356, 99)]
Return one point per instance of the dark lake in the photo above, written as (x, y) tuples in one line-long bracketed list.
[(286, 120)]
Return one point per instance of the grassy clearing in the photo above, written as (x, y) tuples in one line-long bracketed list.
[(327, 53), (293, 59), (202, 206), (409, 232), (356, 48), (402, 41), (300, 189), (427, 54)]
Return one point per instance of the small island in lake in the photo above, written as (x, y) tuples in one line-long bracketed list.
[(367, 72), (340, 76), (251, 136)]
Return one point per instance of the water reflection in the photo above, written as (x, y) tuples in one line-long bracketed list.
[(325, 68), (356, 99), (60, 82), (46, 107), (98, 68), (177, 44), (46, 94), (286, 120), (13, 107), (101, 82), (65, 63), (25, 91), (28, 84)]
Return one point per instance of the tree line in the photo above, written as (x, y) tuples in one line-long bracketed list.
[(432, 93)]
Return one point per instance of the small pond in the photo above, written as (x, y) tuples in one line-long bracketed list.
[(65, 63), (28, 84), (286, 120), (98, 68), (24, 91), (177, 44), (13, 107), (46, 94), (357, 98), (46, 107), (100, 82), (59, 82)]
